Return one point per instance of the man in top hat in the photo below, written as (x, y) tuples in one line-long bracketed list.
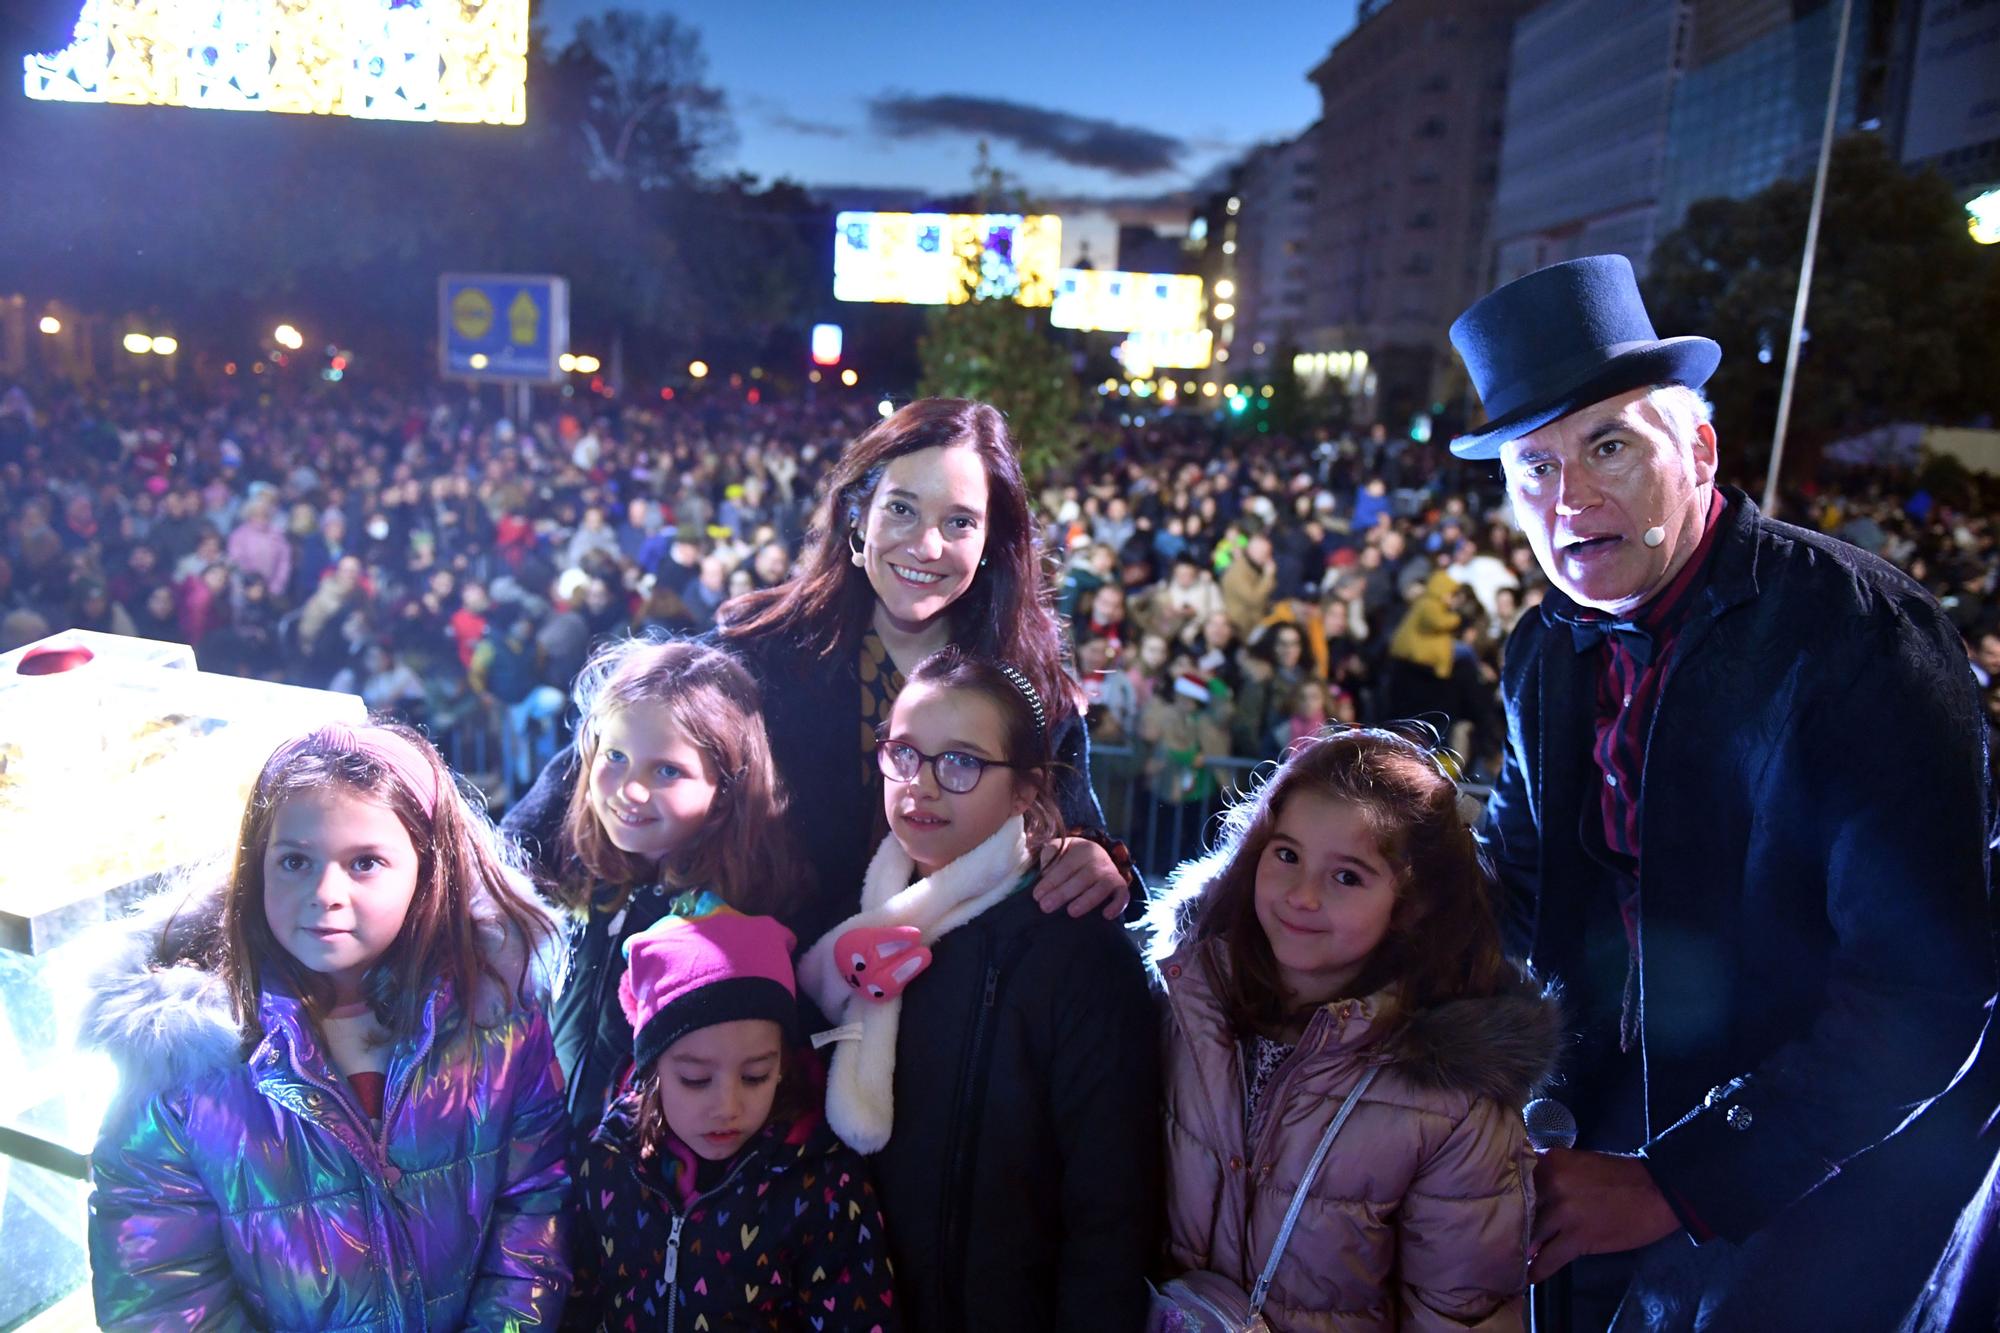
[(1743, 822)]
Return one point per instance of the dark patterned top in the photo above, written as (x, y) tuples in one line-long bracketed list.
[(789, 1237), (881, 682), (1261, 1059), (1628, 690)]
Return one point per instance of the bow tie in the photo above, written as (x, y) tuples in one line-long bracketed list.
[(1587, 633)]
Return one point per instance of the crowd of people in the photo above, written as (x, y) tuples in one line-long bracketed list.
[(1225, 595)]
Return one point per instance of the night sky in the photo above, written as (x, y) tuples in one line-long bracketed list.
[(1108, 99)]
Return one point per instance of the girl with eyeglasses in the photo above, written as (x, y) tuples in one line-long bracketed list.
[(1012, 1103)]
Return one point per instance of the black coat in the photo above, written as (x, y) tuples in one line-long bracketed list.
[(593, 1040), (1022, 1182), (812, 710), (1814, 914)]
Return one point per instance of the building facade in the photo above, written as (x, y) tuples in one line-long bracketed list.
[(1413, 103), (1944, 94), (1749, 110), (1280, 192), (1583, 158)]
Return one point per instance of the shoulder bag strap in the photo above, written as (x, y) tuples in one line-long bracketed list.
[(1263, 1286)]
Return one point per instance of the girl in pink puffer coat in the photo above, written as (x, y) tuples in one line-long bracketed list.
[(1346, 922)]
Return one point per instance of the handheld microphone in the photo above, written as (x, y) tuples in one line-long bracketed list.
[(1550, 1124)]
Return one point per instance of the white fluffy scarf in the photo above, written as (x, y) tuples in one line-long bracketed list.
[(860, 1086)]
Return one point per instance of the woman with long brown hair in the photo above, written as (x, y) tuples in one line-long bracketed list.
[(923, 538)]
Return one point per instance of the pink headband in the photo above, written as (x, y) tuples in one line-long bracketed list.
[(394, 752)]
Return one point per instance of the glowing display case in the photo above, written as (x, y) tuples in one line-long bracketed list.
[(1109, 299), (946, 258), (465, 62), (112, 774)]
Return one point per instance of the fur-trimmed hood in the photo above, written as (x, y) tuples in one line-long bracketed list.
[(1504, 1047), (165, 1019)]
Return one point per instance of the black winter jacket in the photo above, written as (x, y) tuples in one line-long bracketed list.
[(1022, 1183), (593, 1041)]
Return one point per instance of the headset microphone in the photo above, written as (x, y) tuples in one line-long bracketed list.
[(1656, 536)]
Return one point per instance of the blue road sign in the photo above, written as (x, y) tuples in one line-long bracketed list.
[(508, 327)]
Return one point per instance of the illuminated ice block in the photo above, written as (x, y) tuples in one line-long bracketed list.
[(126, 767), (112, 773)]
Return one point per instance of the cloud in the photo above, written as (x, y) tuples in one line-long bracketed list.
[(1122, 150), (770, 111), (816, 129)]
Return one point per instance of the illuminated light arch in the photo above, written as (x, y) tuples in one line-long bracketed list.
[(456, 61)]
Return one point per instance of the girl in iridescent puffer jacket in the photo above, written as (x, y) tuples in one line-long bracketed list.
[(339, 1103)]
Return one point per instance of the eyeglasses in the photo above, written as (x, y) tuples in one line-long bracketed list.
[(957, 772)]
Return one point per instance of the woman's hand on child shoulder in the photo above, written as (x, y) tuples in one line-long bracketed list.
[(1080, 875), (878, 962)]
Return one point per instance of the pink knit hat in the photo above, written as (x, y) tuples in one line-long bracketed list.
[(687, 973)]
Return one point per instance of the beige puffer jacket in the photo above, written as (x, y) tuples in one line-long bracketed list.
[(1420, 1216)]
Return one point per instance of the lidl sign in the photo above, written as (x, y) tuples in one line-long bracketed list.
[(502, 326)]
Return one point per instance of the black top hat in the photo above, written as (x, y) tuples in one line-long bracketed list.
[(1560, 339)]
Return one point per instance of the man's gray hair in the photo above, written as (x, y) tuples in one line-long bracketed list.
[(1681, 407)]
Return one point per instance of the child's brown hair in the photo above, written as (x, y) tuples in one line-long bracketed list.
[(743, 850), (1443, 941), (465, 884)]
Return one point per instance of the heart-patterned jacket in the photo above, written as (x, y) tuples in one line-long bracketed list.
[(790, 1238)]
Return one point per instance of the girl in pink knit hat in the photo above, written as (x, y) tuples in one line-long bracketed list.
[(714, 1195), (675, 794)]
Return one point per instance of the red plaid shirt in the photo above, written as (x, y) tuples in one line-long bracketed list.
[(1627, 693)]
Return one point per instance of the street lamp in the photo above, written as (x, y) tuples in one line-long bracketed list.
[(50, 324), (165, 346), (586, 364), (826, 344), (287, 336), (138, 344), (698, 370), (849, 377)]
